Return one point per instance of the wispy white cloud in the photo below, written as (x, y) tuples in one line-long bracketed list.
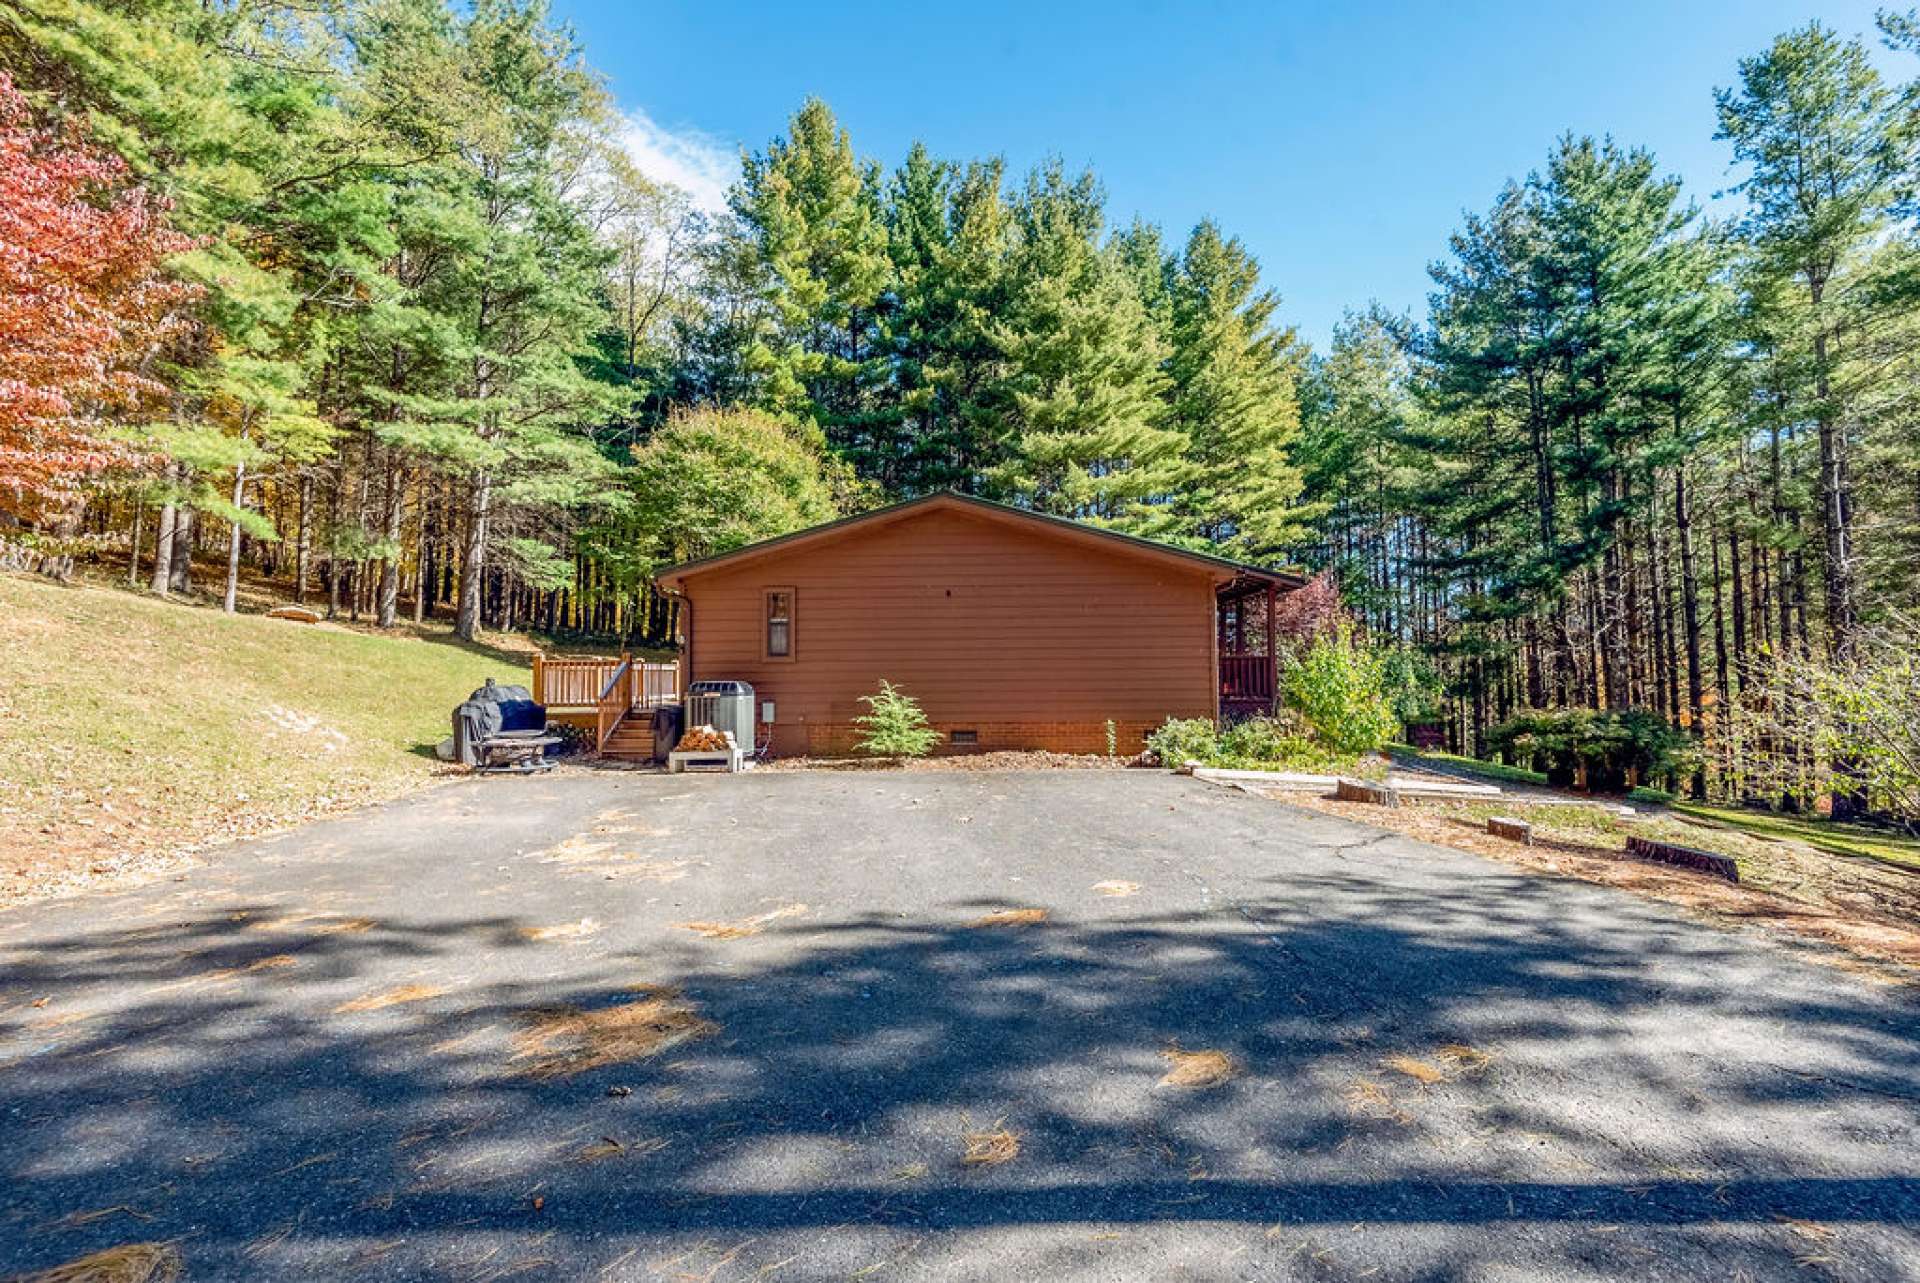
[(699, 164)]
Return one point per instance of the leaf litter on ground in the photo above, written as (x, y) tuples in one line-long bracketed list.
[(558, 1042), (740, 928), (127, 1263), (1011, 918), (1204, 1068)]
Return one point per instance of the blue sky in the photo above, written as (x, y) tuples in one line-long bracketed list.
[(1340, 141)]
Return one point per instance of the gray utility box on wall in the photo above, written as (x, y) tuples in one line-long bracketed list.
[(725, 706)]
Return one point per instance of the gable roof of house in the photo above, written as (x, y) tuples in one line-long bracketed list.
[(1113, 540)]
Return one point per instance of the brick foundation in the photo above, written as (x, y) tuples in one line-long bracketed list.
[(838, 739)]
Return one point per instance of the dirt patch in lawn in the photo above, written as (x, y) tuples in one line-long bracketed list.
[(214, 729), (1870, 910)]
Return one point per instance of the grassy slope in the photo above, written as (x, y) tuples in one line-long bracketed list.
[(130, 725)]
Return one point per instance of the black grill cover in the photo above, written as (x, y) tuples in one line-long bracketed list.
[(489, 712)]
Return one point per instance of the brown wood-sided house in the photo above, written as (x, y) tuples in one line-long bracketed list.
[(1012, 629)]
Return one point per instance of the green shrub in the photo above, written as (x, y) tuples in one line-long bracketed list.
[(1607, 744), (896, 727), (1411, 685), (1258, 739), (1180, 740), (1289, 753), (1338, 684)]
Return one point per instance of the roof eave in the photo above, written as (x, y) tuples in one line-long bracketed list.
[(673, 578)]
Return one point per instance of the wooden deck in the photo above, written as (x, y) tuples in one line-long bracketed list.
[(612, 698)]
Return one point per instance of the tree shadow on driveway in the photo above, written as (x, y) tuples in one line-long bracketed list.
[(1410, 1098)]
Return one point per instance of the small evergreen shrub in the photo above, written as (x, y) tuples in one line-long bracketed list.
[(896, 726), (1607, 744)]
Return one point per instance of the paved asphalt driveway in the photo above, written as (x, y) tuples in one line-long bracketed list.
[(1663, 1099)]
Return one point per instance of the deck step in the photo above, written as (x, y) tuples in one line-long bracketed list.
[(630, 741)]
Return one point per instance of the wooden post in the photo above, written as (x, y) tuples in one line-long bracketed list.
[(1273, 657), (539, 676)]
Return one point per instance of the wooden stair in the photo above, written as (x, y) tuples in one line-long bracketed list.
[(632, 738)]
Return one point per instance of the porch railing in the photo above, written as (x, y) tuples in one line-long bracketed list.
[(583, 683), (616, 697), (1246, 678)]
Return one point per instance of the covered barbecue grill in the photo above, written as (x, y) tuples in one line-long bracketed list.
[(500, 728)]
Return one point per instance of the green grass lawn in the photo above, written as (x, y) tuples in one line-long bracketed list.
[(129, 723), (1842, 839)]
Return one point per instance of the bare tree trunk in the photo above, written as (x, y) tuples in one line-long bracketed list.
[(1835, 503), (1690, 615), (333, 541), (230, 600), (389, 607), (422, 566), (162, 579), (303, 542), (133, 545), (1739, 608), (180, 578), (473, 555)]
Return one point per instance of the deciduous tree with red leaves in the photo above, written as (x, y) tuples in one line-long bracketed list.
[(84, 306)]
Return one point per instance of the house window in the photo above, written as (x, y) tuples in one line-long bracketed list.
[(779, 623)]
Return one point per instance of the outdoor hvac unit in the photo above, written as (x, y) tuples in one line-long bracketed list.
[(725, 706)]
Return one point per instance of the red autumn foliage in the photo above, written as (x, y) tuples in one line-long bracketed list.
[(1310, 610), (83, 303)]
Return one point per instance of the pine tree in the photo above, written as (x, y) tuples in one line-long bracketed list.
[(809, 214), (948, 234), (1234, 376), (1083, 390), (529, 293), (1812, 119)]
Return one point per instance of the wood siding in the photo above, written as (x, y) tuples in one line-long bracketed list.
[(1034, 640)]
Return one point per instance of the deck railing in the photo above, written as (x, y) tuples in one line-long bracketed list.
[(583, 683), (1246, 677), (615, 699)]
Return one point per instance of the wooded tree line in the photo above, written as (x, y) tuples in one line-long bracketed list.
[(1638, 458), (366, 297), (434, 345)]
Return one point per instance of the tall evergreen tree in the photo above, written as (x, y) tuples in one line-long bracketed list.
[(1084, 386), (528, 292), (810, 215), (1234, 377), (1811, 118)]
